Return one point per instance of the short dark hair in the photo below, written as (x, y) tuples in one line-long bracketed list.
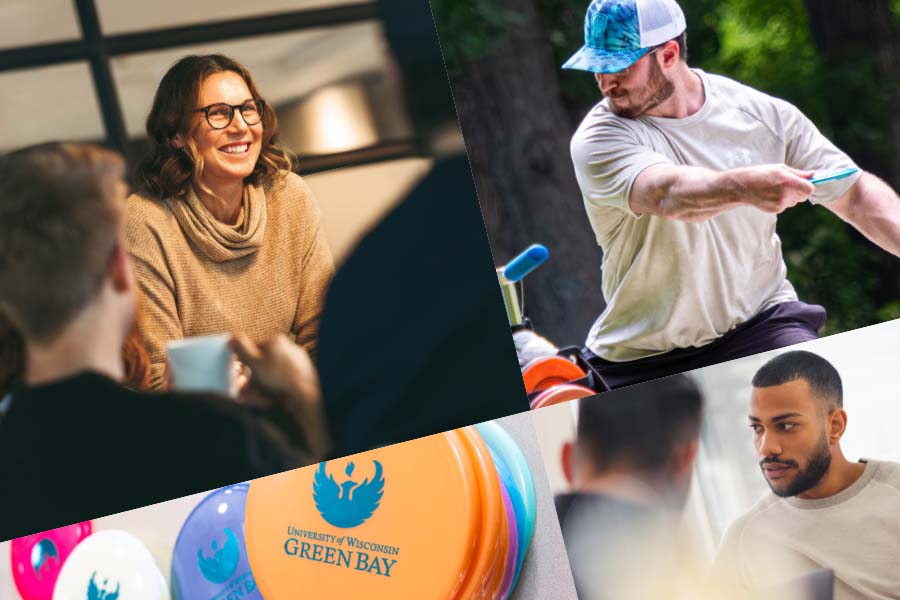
[(60, 217), (822, 377), (640, 425), (681, 40), (682, 45)]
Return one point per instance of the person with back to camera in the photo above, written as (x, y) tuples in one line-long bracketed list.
[(76, 442), (629, 471), (225, 238), (625, 519)]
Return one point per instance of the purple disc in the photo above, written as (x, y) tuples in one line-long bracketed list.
[(511, 558)]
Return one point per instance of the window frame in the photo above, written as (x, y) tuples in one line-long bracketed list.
[(98, 49)]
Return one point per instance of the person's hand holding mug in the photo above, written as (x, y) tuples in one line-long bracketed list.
[(283, 373), (241, 377), (200, 364)]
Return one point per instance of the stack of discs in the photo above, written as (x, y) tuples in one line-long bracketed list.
[(515, 477), (560, 393), (549, 381), (429, 518)]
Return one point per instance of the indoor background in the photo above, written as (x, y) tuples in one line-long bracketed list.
[(727, 478), (86, 70)]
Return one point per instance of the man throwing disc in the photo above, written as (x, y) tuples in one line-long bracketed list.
[(683, 174)]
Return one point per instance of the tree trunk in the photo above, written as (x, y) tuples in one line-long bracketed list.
[(861, 37), (517, 135)]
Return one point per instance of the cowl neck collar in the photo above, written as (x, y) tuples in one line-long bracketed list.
[(219, 241)]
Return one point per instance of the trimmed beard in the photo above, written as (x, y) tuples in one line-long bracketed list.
[(816, 468), (661, 90)]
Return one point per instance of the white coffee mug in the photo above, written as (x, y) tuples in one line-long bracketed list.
[(202, 364)]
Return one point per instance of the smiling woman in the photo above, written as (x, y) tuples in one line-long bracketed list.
[(226, 239)]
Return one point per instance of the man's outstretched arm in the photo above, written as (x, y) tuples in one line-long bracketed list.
[(874, 209), (696, 194)]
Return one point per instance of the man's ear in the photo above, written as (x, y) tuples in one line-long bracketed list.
[(837, 425), (120, 270), (670, 53), (566, 459), (683, 456)]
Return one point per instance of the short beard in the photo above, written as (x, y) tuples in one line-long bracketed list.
[(661, 89), (816, 468)]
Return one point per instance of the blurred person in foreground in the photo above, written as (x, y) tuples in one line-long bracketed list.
[(414, 339), (824, 510), (629, 470), (76, 443), (683, 174)]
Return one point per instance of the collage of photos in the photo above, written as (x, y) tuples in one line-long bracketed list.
[(449, 299)]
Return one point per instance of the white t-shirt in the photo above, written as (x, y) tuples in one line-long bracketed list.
[(671, 284), (855, 533)]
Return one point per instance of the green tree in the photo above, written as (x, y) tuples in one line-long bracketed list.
[(835, 66)]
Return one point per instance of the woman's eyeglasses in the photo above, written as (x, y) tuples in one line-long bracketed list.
[(220, 115)]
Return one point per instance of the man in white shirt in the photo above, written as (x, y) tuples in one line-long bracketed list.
[(683, 174), (824, 511)]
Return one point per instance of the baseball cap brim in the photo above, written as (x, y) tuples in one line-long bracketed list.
[(596, 60)]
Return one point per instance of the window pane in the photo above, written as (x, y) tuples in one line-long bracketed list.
[(30, 22), (327, 85), (49, 103), (120, 17)]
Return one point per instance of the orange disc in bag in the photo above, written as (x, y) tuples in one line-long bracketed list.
[(396, 522), (559, 394), (490, 557), (548, 371)]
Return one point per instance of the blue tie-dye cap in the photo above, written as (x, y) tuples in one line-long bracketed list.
[(619, 32)]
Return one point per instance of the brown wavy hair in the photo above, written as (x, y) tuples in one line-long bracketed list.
[(167, 171)]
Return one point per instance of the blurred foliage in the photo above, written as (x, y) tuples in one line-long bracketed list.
[(469, 30), (766, 44)]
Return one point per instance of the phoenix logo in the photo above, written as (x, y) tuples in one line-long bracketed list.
[(350, 503), (222, 564), (96, 592), (42, 554)]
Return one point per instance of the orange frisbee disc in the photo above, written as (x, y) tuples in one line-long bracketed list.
[(559, 394), (397, 522), (489, 561), (543, 373)]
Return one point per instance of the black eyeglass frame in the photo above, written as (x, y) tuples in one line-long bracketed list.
[(260, 108)]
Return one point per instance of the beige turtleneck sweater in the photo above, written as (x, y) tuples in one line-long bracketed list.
[(266, 274)]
